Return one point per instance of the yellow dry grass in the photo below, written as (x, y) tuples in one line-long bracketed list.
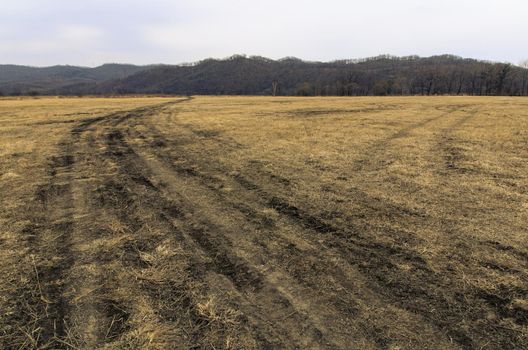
[(257, 222)]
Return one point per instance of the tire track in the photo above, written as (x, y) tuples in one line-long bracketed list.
[(451, 153), (97, 317), (59, 226), (500, 300), (381, 146), (52, 225), (267, 275), (224, 261), (203, 235), (362, 250), (415, 290), (261, 301)]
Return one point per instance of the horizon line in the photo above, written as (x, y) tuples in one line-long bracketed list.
[(193, 63)]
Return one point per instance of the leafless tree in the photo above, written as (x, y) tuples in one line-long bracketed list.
[(524, 89), (274, 88)]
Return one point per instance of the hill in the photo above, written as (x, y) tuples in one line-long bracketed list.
[(15, 79), (241, 75)]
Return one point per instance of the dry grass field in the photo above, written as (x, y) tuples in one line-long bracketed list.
[(264, 223)]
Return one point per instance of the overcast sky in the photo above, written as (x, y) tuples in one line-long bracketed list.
[(92, 32)]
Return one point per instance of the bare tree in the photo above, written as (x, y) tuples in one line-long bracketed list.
[(274, 87), (524, 79)]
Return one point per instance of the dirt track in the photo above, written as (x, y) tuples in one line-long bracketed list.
[(150, 238)]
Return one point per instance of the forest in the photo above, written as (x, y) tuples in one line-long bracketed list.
[(254, 75)]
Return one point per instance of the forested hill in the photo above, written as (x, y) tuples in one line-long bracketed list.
[(382, 75), (16, 80)]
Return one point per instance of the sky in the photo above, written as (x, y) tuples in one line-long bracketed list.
[(93, 32)]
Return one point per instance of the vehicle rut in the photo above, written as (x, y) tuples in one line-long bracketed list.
[(136, 223)]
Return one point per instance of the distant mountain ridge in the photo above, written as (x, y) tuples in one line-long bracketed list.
[(254, 75), (15, 79)]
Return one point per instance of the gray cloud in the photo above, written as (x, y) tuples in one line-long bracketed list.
[(94, 32)]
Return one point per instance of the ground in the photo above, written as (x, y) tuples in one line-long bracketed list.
[(264, 223)]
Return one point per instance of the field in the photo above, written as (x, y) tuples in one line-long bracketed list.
[(264, 223)]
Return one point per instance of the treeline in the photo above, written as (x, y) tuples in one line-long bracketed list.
[(382, 75), (440, 75)]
